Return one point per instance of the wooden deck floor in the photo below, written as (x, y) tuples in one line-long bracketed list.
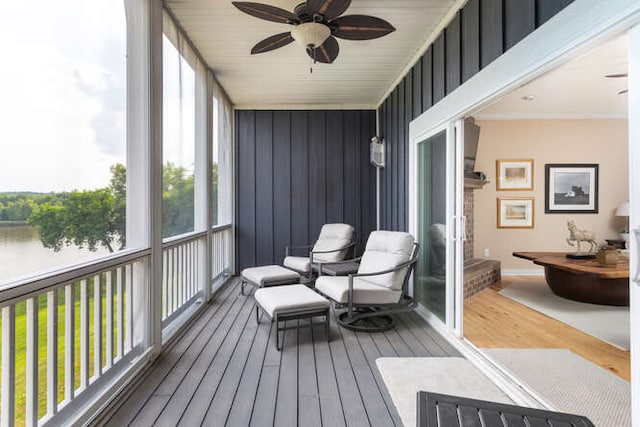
[(225, 370)]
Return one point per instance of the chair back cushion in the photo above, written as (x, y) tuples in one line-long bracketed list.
[(333, 236), (386, 250)]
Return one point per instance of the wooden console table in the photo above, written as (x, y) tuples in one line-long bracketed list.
[(583, 280)]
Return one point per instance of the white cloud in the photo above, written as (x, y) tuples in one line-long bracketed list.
[(53, 94)]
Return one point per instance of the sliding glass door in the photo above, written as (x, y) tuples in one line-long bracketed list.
[(435, 210), (431, 275)]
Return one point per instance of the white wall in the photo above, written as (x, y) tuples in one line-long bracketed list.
[(548, 141)]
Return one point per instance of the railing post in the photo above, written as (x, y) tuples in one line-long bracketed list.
[(97, 326), (52, 352), (31, 415), (84, 334), (8, 364), (69, 341)]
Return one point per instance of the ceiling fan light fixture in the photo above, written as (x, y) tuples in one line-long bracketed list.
[(310, 34)]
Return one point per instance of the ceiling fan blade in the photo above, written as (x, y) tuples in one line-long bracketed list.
[(622, 92), (327, 53), (360, 27), (271, 43), (266, 12), (330, 9), (617, 75)]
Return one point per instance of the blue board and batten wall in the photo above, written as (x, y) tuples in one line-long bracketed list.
[(297, 170), (479, 33)]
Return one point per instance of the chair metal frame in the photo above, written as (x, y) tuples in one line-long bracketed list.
[(376, 317), (314, 265)]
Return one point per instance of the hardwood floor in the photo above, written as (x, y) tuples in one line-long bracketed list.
[(225, 370), (494, 321)]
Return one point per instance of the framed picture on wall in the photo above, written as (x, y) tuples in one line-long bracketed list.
[(515, 212), (571, 188), (514, 174)]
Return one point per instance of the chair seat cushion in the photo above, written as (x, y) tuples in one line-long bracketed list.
[(289, 298), (364, 292), (297, 263), (269, 273)]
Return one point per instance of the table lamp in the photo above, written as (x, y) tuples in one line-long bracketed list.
[(623, 210)]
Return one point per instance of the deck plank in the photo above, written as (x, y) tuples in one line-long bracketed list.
[(330, 404), (371, 353), (398, 344), (169, 363), (287, 401), (264, 408), (245, 396), (186, 389), (225, 393), (225, 370), (430, 335), (374, 403), (308, 399), (208, 383)]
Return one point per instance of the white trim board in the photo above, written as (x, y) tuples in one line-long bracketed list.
[(522, 272), (301, 107), (548, 116)]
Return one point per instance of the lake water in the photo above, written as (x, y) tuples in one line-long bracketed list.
[(22, 253)]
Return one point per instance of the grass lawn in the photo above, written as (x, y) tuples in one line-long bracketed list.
[(20, 344)]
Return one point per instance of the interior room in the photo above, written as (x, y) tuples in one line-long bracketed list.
[(574, 114)]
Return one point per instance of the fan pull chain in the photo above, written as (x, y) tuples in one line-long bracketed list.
[(312, 57)]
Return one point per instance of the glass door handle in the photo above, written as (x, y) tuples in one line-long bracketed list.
[(463, 226), (636, 277)]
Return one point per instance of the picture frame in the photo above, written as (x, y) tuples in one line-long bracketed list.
[(514, 174), (571, 188), (516, 212)]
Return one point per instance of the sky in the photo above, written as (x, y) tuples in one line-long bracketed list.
[(63, 96), (62, 93)]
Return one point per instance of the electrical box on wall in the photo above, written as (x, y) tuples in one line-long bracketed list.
[(377, 152)]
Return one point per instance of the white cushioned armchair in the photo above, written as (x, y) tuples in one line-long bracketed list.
[(379, 288), (334, 243)]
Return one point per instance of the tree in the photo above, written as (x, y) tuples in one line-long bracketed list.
[(95, 218), (82, 218), (118, 186), (177, 200)]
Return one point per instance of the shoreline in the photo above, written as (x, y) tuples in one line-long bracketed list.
[(13, 223)]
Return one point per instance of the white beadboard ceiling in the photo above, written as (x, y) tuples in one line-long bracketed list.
[(575, 89), (361, 75)]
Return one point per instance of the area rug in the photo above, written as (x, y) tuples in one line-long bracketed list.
[(570, 383), (405, 376), (608, 323)]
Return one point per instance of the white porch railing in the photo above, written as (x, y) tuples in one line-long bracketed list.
[(221, 254), (64, 335), (180, 273), (72, 336)]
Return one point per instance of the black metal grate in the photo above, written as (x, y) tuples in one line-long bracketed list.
[(441, 410)]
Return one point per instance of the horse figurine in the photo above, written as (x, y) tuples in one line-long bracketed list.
[(576, 235)]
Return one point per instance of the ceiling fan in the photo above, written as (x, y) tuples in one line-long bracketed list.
[(316, 24), (618, 75)]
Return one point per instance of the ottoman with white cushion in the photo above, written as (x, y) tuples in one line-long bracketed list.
[(268, 275), (283, 303)]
